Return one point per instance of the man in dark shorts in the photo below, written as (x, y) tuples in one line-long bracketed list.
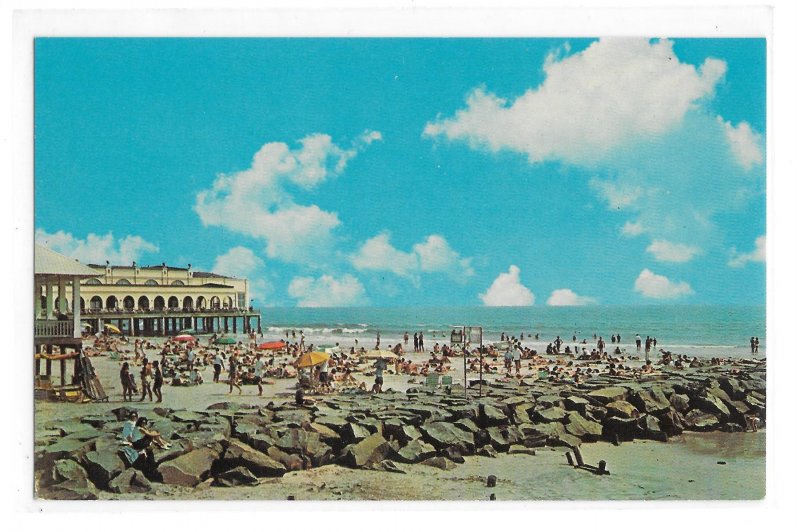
[(259, 370), (379, 366)]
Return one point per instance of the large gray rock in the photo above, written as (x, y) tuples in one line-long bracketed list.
[(415, 451), (671, 422), (442, 434), (238, 476), (291, 462), (585, 429), (189, 469), (501, 438), (733, 387), (622, 409), (66, 480), (102, 467), (549, 415), (353, 432), (622, 429), (63, 449), (700, 421), (710, 404), (680, 402), (370, 450), (610, 394), (491, 415), (595, 413), (650, 428), (395, 428), (576, 403), (239, 454), (130, 481), (652, 401), (439, 462)]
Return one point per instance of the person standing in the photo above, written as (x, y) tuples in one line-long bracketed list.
[(125, 380), (757, 342), (233, 374), (146, 376), (405, 340), (416, 343), (158, 380), (518, 359), (190, 356), (647, 345), (379, 366), (638, 343), (259, 369), (421, 343), (218, 360), (601, 347)]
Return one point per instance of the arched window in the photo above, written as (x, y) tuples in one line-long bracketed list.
[(178, 282), (123, 282), (83, 304), (228, 302), (93, 282), (187, 302), (111, 302), (158, 303), (215, 303), (128, 303), (201, 302), (151, 282), (173, 302), (144, 303), (96, 303)]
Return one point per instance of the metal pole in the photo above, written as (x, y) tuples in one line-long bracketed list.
[(480, 383), (464, 353)]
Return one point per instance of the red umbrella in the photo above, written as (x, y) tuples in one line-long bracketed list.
[(185, 338), (273, 346)]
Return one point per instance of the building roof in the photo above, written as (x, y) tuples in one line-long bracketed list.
[(48, 262), (208, 274), (215, 285)]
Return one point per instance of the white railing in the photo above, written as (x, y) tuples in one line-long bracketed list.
[(53, 328)]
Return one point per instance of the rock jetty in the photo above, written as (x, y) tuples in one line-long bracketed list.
[(231, 444)]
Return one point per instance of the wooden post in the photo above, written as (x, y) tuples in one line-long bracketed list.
[(63, 368), (491, 481), (578, 457), (601, 468), (569, 458)]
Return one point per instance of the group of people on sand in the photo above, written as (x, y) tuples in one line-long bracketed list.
[(151, 379)]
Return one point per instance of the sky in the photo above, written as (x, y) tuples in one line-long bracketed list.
[(401, 172)]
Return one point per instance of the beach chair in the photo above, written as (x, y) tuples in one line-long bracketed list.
[(432, 381), (447, 380)]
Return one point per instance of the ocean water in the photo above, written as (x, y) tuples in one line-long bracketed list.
[(705, 331)]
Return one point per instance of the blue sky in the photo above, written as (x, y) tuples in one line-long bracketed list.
[(389, 172)]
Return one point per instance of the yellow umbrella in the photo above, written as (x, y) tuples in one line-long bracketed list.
[(112, 328), (314, 358)]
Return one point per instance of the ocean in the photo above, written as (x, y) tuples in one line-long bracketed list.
[(704, 331)]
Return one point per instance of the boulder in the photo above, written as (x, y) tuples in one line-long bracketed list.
[(442, 434), (415, 451), (700, 421), (352, 433), (63, 449), (671, 422), (733, 387), (652, 401), (291, 462), (396, 429), (680, 402), (491, 415), (622, 409), (370, 450), (467, 424), (650, 428), (609, 395), (63, 470), (521, 449), (488, 451), (187, 417), (238, 476), (66, 480), (618, 428), (102, 467), (189, 469), (239, 454), (549, 415), (595, 413), (583, 428), (711, 404), (439, 462), (576, 403), (501, 438), (385, 465), (99, 421), (261, 442), (130, 481)]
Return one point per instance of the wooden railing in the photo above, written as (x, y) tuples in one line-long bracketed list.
[(53, 328)]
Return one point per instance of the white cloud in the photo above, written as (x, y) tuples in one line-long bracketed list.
[(97, 249), (257, 202), (433, 255), (665, 251), (744, 142), (327, 291), (507, 291), (564, 297), (759, 254), (590, 102), (242, 263), (617, 195), (632, 228), (656, 286)]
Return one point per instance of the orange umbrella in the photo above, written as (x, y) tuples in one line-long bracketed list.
[(307, 360), (273, 346)]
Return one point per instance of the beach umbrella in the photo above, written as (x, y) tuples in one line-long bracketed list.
[(185, 338), (112, 328), (86, 325), (315, 358), (380, 353), (225, 340), (186, 331), (272, 346)]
